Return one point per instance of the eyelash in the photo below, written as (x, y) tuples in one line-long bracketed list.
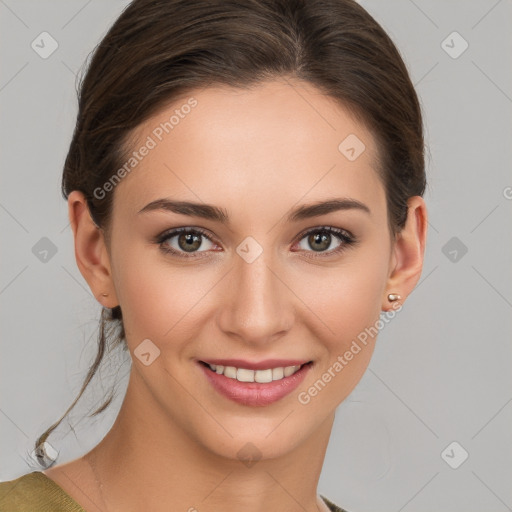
[(344, 236)]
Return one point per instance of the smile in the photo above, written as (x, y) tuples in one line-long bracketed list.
[(255, 387)]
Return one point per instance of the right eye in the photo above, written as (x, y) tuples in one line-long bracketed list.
[(185, 242)]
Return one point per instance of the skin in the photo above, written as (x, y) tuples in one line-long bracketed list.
[(257, 154)]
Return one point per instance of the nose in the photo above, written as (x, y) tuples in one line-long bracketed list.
[(255, 304)]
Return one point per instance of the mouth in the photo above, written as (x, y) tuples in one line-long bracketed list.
[(255, 387)]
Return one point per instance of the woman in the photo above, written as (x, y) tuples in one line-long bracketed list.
[(245, 188)]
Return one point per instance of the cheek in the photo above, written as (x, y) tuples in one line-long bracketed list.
[(345, 298), (157, 299), (346, 302)]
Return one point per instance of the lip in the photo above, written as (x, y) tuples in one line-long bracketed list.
[(254, 394)]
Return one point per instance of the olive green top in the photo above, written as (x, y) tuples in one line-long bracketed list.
[(35, 492)]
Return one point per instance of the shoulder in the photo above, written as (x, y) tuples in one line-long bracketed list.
[(35, 491), (332, 506)]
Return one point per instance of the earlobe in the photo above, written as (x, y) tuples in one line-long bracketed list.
[(91, 253), (409, 250)]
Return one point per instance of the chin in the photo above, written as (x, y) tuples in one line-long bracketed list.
[(253, 440)]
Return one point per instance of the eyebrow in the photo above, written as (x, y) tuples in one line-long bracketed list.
[(210, 212)]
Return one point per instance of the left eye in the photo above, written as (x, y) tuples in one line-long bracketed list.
[(320, 240)]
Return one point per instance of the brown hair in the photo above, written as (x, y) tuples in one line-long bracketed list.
[(157, 50)]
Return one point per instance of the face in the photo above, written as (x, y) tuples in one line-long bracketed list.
[(254, 275)]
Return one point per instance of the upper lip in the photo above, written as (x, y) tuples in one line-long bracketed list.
[(259, 365)]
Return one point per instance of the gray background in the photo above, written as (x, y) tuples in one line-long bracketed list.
[(441, 371)]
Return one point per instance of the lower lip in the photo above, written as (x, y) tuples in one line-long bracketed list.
[(254, 393)]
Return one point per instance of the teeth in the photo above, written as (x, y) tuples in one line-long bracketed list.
[(230, 371), (289, 370), (244, 375), (277, 373), (261, 376)]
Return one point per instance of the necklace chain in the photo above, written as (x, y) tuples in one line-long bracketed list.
[(92, 465)]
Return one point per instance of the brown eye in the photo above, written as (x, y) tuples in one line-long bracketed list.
[(185, 240), (189, 241), (320, 240)]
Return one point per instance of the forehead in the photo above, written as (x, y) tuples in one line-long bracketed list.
[(276, 142)]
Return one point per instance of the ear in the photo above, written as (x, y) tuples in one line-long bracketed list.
[(91, 252), (408, 253)]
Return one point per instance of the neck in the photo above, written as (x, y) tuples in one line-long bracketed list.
[(151, 463)]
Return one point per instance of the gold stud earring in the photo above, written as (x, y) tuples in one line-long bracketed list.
[(393, 296), (104, 294)]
